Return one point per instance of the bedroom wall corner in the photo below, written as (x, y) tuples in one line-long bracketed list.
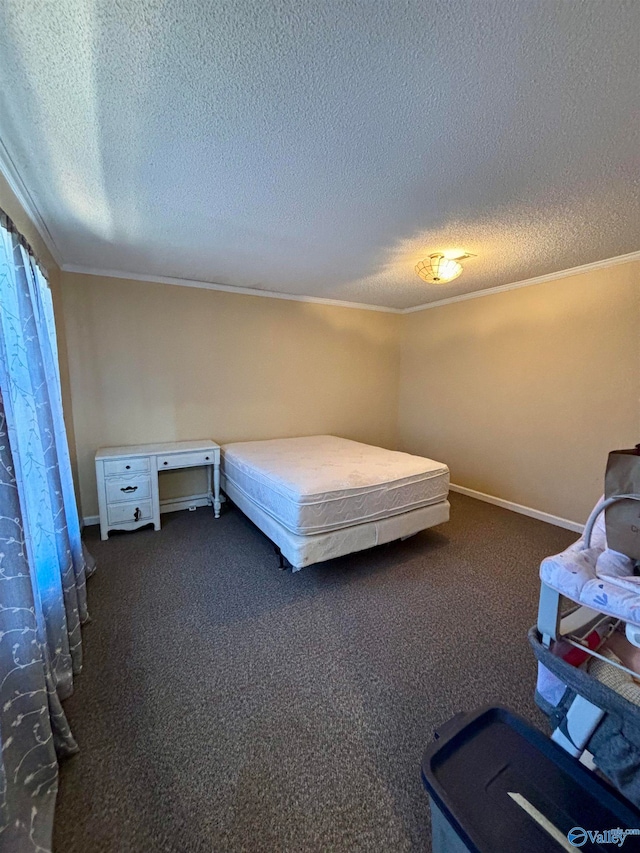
[(523, 393)]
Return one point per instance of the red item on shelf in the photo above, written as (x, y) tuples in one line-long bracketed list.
[(575, 656)]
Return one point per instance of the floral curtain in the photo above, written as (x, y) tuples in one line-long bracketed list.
[(43, 566)]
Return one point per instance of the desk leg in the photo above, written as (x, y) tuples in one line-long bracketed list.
[(104, 529), (216, 491)]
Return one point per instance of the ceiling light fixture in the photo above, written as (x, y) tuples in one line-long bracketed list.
[(440, 269)]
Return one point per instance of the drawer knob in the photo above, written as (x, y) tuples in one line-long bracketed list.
[(129, 489), (127, 467), (165, 463), (137, 514), (206, 458)]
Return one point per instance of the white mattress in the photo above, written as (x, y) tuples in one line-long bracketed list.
[(322, 483), (303, 551)]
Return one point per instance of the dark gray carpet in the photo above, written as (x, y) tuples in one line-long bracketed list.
[(228, 706)]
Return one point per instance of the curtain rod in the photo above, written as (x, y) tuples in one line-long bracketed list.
[(7, 222)]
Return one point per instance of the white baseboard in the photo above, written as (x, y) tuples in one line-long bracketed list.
[(169, 505), (176, 504), (523, 510)]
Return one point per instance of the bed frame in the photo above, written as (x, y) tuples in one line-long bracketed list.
[(301, 551)]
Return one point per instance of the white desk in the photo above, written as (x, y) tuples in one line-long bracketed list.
[(128, 480)]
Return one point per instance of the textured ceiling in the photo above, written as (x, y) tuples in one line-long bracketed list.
[(325, 147)]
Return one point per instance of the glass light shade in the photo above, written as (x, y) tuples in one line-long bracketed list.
[(436, 269)]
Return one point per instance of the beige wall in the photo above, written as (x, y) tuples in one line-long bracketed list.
[(12, 207), (157, 362), (523, 393)]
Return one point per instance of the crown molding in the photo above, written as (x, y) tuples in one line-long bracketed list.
[(528, 282), (270, 294), (19, 189), (318, 300), (227, 288)]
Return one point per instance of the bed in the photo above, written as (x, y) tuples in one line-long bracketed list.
[(322, 496)]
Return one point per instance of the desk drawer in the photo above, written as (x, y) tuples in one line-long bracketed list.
[(126, 466), (187, 460), (123, 513), (134, 487)]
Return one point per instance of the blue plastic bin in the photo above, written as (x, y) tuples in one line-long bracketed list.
[(478, 759)]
